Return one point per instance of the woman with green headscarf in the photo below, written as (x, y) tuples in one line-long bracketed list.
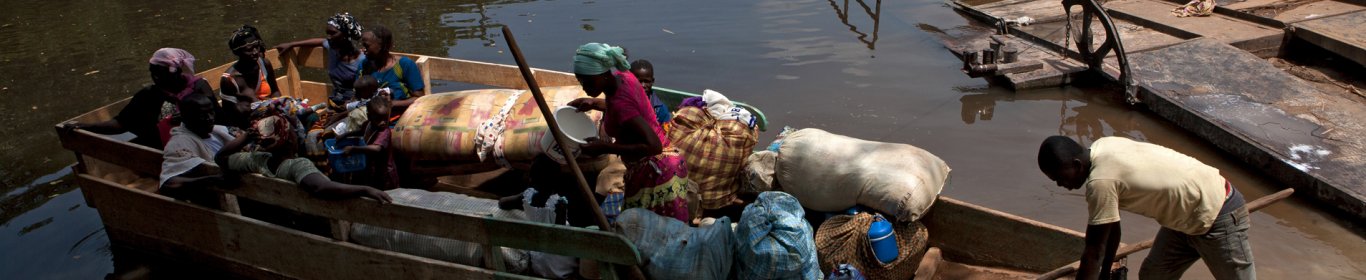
[(656, 177)]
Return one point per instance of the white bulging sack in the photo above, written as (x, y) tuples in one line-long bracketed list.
[(829, 172)]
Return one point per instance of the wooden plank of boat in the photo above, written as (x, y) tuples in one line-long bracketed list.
[(251, 247), (978, 235)]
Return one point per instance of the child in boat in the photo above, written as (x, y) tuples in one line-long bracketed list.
[(277, 158), (351, 118), (645, 73), (192, 143), (381, 171), (397, 73)]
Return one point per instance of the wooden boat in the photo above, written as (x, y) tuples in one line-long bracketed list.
[(115, 177)]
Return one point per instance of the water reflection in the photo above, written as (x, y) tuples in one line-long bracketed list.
[(874, 12), (1084, 114)]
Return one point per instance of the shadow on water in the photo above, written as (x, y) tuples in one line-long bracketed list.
[(875, 13)]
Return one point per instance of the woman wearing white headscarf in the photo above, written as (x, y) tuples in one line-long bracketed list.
[(173, 78)]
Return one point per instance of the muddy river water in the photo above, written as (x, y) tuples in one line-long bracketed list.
[(866, 69)]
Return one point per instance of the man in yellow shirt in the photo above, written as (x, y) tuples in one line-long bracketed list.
[(1201, 214)]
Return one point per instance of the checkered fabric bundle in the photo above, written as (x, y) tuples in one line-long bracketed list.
[(715, 151), (774, 240)]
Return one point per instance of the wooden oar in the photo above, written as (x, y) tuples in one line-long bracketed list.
[(585, 190), (1127, 250)]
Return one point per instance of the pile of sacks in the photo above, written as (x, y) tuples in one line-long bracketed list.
[(805, 169), (833, 173), (771, 241)]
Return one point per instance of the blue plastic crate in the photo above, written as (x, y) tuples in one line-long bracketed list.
[(344, 164)]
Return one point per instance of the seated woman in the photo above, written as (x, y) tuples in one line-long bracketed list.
[(250, 79), (395, 72), (173, 78), (341, 49), (656, 176)]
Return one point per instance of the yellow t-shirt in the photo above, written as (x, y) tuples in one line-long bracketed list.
[(1178, 191)]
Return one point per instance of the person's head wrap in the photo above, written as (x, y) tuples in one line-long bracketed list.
[(243, 36), (175, 59), (347, 24), (598, 58)]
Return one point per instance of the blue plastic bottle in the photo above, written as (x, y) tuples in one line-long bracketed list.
[(882, 239)]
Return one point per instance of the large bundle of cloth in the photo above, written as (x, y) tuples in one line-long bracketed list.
[(715, 141), (775, 241), (831, 173), (486, 125), (844, 239), (677, 251)]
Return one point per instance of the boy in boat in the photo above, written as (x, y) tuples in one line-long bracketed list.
[(192, 143), (350, 119), (1202, 215), (277, 158), (645, 73), (380, 171)]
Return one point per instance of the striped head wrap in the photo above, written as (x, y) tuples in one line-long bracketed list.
[(244, 36), (347, 24)]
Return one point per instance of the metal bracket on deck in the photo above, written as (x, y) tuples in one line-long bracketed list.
[(1095, 58), (999, 59)]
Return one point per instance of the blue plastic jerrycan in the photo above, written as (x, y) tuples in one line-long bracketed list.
[(883, 239)]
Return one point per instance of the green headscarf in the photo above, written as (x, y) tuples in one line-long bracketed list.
[(598, 58)]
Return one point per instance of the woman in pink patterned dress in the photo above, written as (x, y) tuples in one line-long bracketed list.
[(656, 177)]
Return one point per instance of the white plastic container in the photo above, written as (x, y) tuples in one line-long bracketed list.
[(577, 128)]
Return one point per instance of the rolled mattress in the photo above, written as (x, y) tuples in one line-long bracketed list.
[(505, 125)]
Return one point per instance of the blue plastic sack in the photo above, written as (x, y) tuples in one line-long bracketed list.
[(676, 250), (774, 240)]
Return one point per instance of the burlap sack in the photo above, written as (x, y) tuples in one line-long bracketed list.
[(844, 239), (758, 174)]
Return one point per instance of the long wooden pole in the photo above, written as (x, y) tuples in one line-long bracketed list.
[(1127, 250), (560, 139)]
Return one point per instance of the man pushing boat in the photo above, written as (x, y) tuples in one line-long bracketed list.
[(1202, 215)]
